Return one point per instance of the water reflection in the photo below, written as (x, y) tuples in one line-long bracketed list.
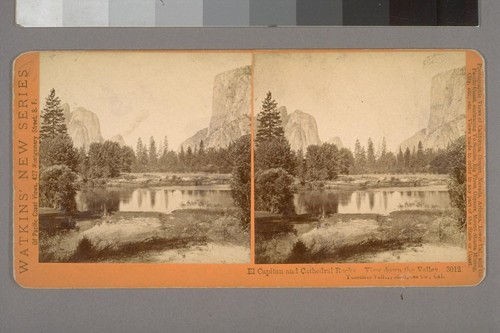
[(98, 200), (150, 200), (327, 202)]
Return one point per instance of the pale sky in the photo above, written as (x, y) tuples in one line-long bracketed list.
[(351, 94), (355, 94), (139, 94)]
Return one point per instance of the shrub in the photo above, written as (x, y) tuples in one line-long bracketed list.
[(58, 150), (57, 188), (458, 174), (273, 191), (299, 254), (84, 251), (240, 182)]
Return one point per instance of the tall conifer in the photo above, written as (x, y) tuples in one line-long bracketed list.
[(269, 120), (53, 122)]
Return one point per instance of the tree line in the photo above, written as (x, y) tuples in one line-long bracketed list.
[(417, 160), (198, 159)]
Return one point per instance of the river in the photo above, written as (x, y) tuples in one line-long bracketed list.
[(378, 201), (316, 202), (162, 200)]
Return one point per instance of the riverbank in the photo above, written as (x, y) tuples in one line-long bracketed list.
[(189, 235), (401, 236), (161, 179), (374, 181)]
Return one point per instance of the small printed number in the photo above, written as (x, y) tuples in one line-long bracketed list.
[(453, 269)]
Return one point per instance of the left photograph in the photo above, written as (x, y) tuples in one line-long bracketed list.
[(144, 157)]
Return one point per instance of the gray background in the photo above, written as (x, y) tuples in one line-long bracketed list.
[(475, 309)]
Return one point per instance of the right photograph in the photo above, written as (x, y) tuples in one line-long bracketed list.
[(360, 156)]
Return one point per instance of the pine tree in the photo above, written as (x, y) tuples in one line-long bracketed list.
[(269, 120), (189, 159), (383, 150), (142, 156), (420, 158), (400, 160), (201, 156), (362, 159), (301, 168), (165, 145), (359, 158), (53, 122), (370, 156), (182, 159), (407, 158), (383, 160), (153, 155)]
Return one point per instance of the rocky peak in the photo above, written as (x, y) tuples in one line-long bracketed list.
[(230, 110), (84, 128), (284, 115), (447, 111), (447, 98), (337, 142), (231, 97), (118, 139), (67, 113), (300, 129)]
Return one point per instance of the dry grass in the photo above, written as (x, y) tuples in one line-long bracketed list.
[(134, 235), (351, 237)]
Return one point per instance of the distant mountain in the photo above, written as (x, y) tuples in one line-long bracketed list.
[(300, 129), (83, 126), (195, 139), (414, 140), (118, 139), (337, 142), (230, 110), (447, 112)]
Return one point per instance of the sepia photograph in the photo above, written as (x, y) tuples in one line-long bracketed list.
[(236, 168), (145, 157), (360, 157)]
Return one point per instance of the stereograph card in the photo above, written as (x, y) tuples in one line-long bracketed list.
[(249, 168)]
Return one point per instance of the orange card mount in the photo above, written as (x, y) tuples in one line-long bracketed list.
[(259, 168)]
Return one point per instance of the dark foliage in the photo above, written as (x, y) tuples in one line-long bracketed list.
[(275, 153), (57, 189), (53, 122), (273, 191), (241, 178), (58, 150), (458, 174), (269, 120)]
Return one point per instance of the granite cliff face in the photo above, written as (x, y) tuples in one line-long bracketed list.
[(230, 110), (447, 98), (300, 129), (447, 112), (83, 127)]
